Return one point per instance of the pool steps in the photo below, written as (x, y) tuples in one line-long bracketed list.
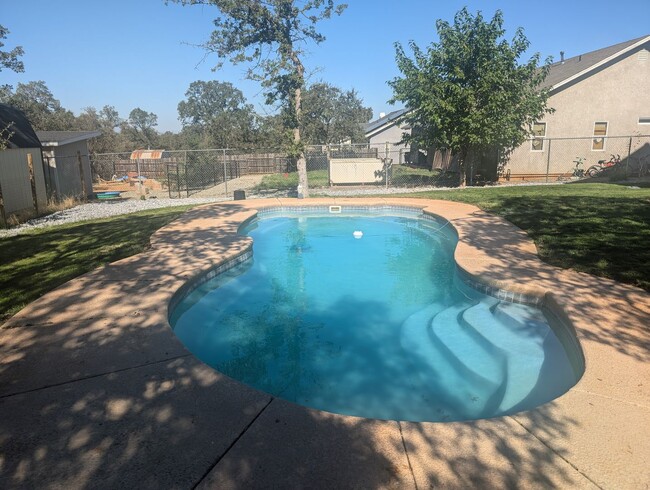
[(475, 338)]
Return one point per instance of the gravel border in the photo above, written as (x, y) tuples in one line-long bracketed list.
[(107, 209), (99, 210)]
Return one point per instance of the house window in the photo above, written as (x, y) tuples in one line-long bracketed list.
[(644, 120), (600, 131), (539, 132)]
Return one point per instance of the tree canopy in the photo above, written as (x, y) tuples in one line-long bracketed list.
[(141, 127), (9, 59), (40, 106), (271, 36), (331, 115), (218, 114), (468, 93)]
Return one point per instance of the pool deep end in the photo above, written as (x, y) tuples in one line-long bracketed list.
[(435, 354)]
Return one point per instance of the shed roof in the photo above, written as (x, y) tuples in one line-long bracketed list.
[(147, 154), (22, 134), (60, 138)]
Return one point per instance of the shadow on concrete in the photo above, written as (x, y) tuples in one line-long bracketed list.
[(95, 392), (602, 310)]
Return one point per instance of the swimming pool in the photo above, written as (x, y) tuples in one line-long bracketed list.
[(377, 324)]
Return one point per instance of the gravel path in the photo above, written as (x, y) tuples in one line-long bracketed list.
[(101, 209), (106, 209)]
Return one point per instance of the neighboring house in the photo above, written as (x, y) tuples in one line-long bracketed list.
[(601, 99), (22, 146), (389, 128), (597, 97), (62, 151)]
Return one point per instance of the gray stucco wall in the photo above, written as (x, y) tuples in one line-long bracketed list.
[(618, 94), (393, 136)]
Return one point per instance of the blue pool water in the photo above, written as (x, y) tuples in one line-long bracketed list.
[(378, 326)]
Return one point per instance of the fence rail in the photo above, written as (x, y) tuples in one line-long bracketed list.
[(219, 172)]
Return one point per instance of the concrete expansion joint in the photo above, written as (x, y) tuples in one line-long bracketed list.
[(558, 454), (406, 451), (93, 376), (232, 444)]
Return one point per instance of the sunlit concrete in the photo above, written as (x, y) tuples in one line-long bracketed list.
[(97, 392)]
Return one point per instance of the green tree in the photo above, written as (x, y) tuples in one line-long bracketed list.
[(107, 121), (272, 35), (9, 59), (331, 115), (140, 128), (44, 112), (468, 93), (218, 113)]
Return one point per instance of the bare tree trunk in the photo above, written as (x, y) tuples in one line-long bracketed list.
[(303, 184), (462, 167)]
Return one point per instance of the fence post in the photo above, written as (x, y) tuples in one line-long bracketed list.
[(548, 160), (169, 181), (386, 163), (3, 216), (627, 162), (82, 176), (328, 154), (178, 180), (225, 176), (32, 181), (187, 182)]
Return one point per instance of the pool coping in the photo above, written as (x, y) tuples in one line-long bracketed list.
[(594, 436)]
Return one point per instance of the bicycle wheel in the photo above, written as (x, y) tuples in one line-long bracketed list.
[(593, 170)]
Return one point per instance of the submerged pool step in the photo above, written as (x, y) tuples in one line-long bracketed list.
[(475, 374), (521, 342), (459, 341)]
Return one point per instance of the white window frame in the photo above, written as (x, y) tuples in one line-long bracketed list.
[(541, 138), (595, 137)]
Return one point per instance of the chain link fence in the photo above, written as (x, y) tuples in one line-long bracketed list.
[(368, 168), (559, 159)]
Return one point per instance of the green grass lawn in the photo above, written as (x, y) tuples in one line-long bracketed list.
[(38, 261), (602, 229)]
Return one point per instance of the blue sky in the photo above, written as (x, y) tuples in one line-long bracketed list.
[(140, 53)]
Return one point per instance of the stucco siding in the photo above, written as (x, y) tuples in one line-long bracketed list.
[(14, 179), (393, 134), (618, 94)]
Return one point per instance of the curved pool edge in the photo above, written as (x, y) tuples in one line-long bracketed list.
[(512, 290), (594, 435)]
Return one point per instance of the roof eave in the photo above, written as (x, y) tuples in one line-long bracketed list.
[(595, 66), (73, 139), (386, 125)]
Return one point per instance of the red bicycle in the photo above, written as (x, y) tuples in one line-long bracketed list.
[(602, 165)]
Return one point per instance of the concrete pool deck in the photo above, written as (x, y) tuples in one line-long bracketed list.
[(97, 392)]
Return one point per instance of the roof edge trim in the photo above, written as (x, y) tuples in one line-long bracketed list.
[(600, 63)]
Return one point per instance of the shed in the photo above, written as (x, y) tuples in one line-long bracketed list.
[(67, 163), (22, 146)]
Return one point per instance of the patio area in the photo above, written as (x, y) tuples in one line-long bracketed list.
[(97, 392)]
